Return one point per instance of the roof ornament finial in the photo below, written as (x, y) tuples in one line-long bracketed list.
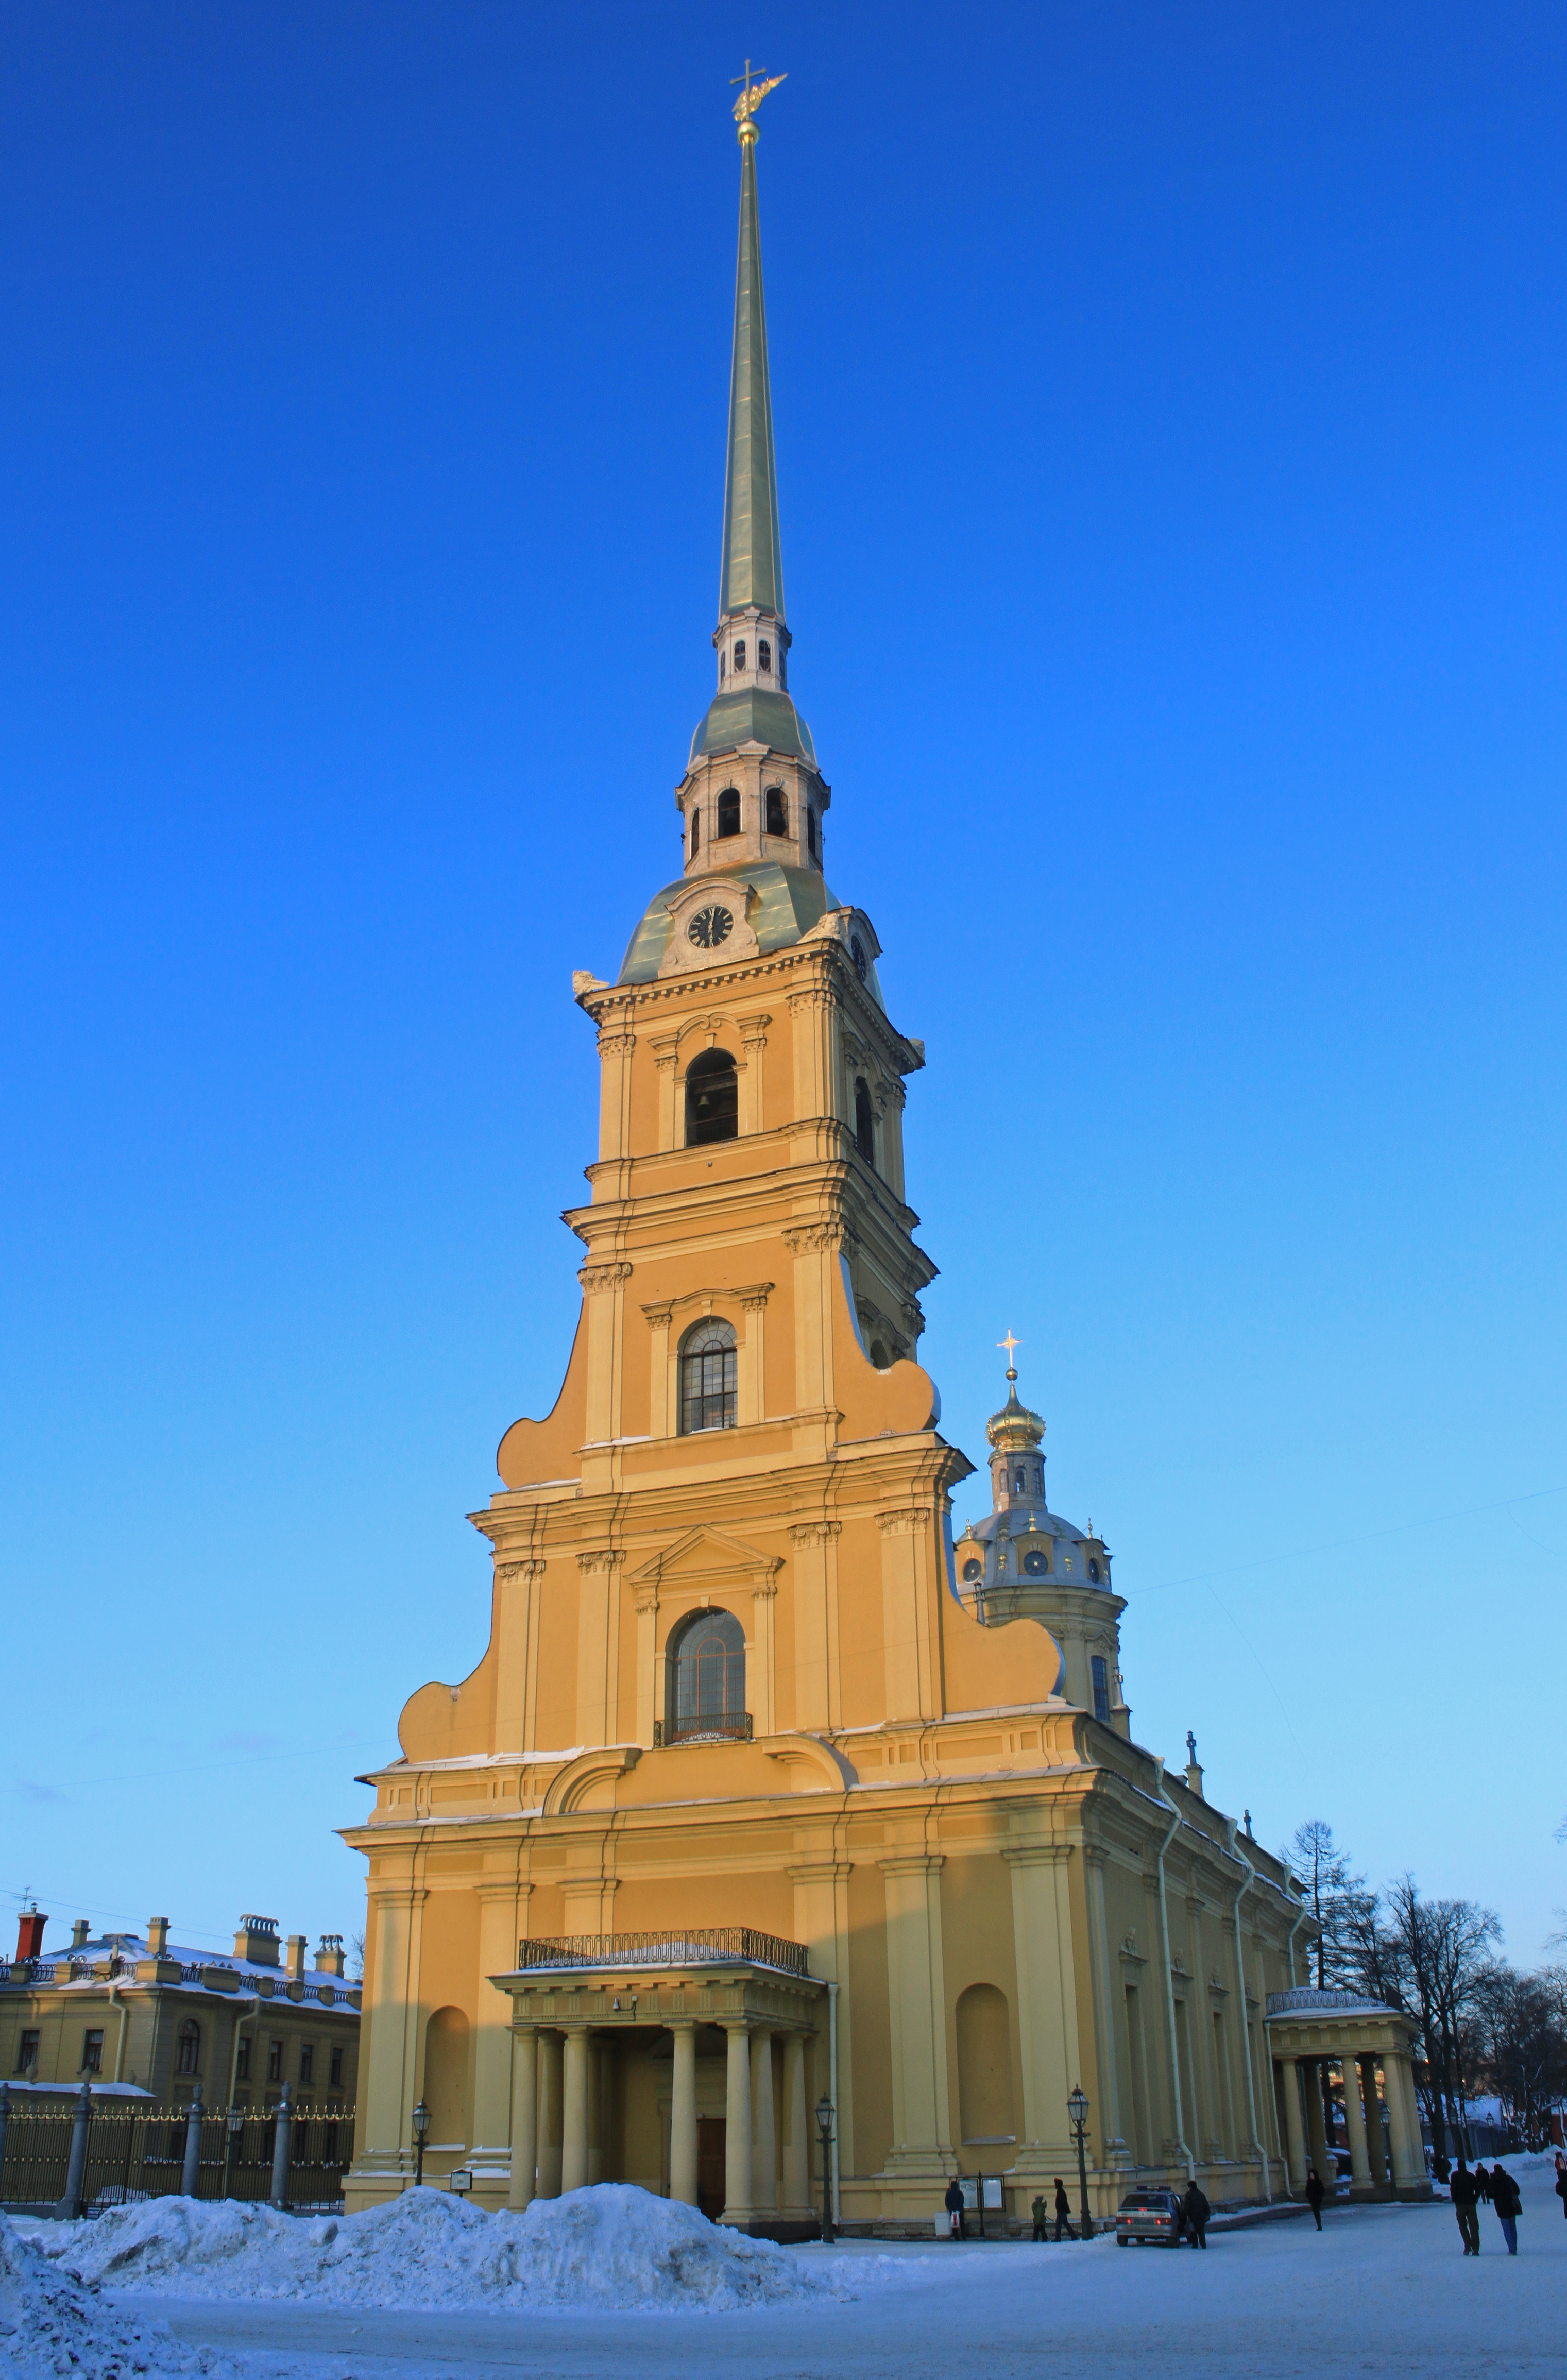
[(1012, 1346), (750, 99), (1191, 1745)]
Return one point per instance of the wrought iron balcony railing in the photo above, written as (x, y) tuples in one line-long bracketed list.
[(689, 1946), (710, 1727)]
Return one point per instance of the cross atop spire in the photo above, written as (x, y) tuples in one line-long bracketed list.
[(751, 578), (1012, 1346)]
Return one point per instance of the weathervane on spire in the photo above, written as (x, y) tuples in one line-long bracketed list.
[(1012, 1346), (750, 99)]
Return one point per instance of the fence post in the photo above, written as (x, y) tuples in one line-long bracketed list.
[(191, 2174), (4, 2120), (69, 2207), (280, 2149)]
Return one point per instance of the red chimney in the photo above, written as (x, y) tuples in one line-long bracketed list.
[(29, 1933)]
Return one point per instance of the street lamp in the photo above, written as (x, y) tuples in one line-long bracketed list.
[(422, 2125), (824, 2126), (1078, 2108)]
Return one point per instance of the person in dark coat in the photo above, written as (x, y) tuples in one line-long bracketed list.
[(1560, 2185), (1063, 2210), (1482, 2185), (1041, 2218), (1461, 2190), (1508, 2203), (953, 2202), (1195, 2212), (1315, 2194)]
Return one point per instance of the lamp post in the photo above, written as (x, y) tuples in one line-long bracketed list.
[(1078, 2108), (824, 2126), (422, 2125)]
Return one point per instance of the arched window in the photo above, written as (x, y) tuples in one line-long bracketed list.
[(707, 1677), (1020, 1479), (1035, 1563), (1094, 1568), (728, 812), (1102, 1687), (764, 653), (777, 810), (189, 2047), (810, 834), (880, 1356), (740, 654), (984, 2067), (722, 666), (865, 1126), (713, 1099), (709, 1377), (696, 833), (447, 2088), (971, 1572)]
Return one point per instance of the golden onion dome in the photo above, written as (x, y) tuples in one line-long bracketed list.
[(1014, 1428)]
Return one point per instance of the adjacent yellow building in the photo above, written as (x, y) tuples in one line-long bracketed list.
[(763, 1793)]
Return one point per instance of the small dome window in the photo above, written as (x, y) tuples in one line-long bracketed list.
[(696, 833), (777, 810), (722, 666), (971, 1572), (1035, 1563), (1093, 1568), (856, 952), (1020, 1480), (740, 654), (764, 654), (728, 812), (713, 1100), (1101, 1688)]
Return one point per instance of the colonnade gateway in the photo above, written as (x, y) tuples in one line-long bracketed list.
[(757, 1796)]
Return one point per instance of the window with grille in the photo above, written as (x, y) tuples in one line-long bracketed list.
[(709, 1378), (764, 653), (728, 812), (92, 2053), (274, 2062), (713, 1099), (777, 810), (740, 654), (242, 2060), (707, 1677), (306, 2062), (1102, 1686), (187, 2047), (865, 1126), (26, 2053), (334, 2074)]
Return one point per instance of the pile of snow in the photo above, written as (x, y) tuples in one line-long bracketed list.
[(611, 2246), (52, 2323)]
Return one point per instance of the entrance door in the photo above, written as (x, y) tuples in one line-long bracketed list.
[(710, 2131)]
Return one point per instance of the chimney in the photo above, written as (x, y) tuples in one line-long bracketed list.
[(80, 1933), (295, 1958), (329, 1958), (157, 1937), (30, 1922), (257, 1940)]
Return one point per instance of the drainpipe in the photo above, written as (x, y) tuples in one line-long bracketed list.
[(122, 2012), (832, 2086), (1249, 1879), (1168, 1985), (255, 2009)]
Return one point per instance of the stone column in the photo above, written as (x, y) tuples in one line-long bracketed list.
[(1375, 2146), (1409, 2160), (1046, 2002), (764, 2151), (797, 2130), (1355, 2120), (683, 2116), (524, 2114), (917, 2009), (1316, 2124), (737, 2129), (551, 2062), (598, 2050), (490, 2134), (1294, 2126), (574, 2110)]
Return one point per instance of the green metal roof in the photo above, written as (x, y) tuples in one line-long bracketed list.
[(788, 903), (754, 717), (752, 571)]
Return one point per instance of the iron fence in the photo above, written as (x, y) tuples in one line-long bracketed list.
[(692, 1945), (137, 2153)]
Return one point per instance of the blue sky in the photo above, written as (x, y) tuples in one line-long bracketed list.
[(1168, 412)]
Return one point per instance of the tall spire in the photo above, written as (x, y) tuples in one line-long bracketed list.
[(752, 572)]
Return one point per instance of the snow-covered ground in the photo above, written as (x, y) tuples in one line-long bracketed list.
[(609, 2283)]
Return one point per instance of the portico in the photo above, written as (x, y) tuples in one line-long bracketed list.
[(681, 2061), (1309, 2030)]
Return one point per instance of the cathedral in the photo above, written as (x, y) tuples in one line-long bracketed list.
[(782, 1855)]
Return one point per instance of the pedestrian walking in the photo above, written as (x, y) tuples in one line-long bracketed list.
[(1195, 2212), (1461, 2190), (1508, 2205), (1041, 2218), (1315, 2194), (953, 2202), (1482, 2185), (1063, 2210), (1560, 2182)]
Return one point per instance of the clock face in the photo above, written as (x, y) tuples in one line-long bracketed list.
[(710, 927)]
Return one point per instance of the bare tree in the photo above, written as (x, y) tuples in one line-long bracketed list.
[(1437, 1955), (356, 1957), (1336, 1895)]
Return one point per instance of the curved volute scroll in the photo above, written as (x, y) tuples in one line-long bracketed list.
[(535, 1451), (446, 1722), (873, 1403), (995, 1668)]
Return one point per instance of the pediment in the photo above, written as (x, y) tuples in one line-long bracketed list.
[(704, 1553)]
